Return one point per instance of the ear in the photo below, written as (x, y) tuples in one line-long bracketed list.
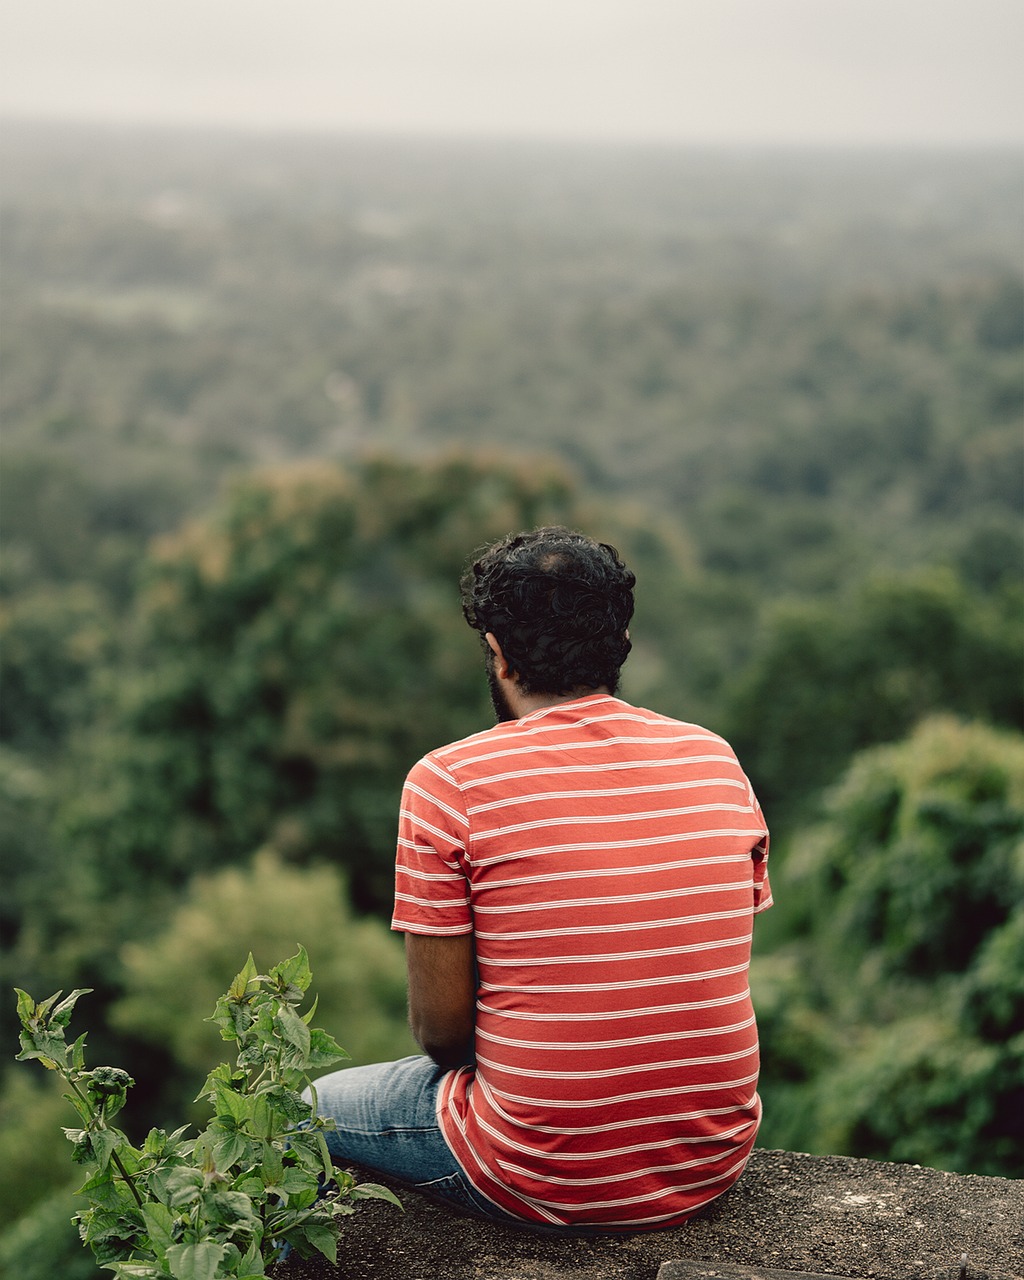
[(501, 667)]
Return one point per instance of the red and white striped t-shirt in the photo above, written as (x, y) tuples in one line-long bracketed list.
[(609, 862)]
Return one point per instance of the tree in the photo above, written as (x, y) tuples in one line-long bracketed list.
[(54, 639), (287, 660), (265, 908), (294, 654), (829, 678), (906, 989)]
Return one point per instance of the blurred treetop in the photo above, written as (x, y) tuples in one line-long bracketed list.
[(713, 332)]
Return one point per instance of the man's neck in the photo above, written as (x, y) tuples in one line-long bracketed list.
[(524, 704)]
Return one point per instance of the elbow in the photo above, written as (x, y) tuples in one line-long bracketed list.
[(450, 1056), (449, 1047)]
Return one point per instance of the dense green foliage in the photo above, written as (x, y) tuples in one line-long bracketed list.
[(829, 678), (259, 1177), (260, 402), (812, 360), (360, 966), (901, 1001), (282, 651)]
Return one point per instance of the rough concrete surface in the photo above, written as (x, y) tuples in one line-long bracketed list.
[(679, 1270), (821, 1215)]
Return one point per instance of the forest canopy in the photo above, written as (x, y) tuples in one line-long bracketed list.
[(263, 398)]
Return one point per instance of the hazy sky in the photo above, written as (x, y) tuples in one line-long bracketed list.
[(704, 71)]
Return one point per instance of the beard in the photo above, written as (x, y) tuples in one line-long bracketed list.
[(499, 701)]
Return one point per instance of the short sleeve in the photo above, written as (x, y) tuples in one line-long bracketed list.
[(431, 888), (759, 853)]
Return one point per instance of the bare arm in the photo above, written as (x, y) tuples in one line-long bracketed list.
[(442, 996)]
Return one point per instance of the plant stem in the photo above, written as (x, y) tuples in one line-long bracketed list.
[(127, 1177), (101, 1124), (318, 1207)]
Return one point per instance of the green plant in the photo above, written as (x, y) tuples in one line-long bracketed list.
[(224, 1204)]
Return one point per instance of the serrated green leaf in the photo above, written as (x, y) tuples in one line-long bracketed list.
[(42, 1010), (294, 1180), (262, 1120), (323, 1239), (374, 1191), (105, 1192), (230, 1149), (113, 1104), (26, 1007), (231, 1208), (292, 1029), (181, 1186), (303, 1198), (231, 1105), (324, 1049), (263, 1023), (160, 1225), (272, 1166), (61, 1016), (195, 1261), (325, 1153), (160, 1143), (222, 1074), (103, 1142), (244, 981), (46, 1046), (130, 1158), (305, 1151), (288, 1103), (159, 1186), (111, 1250), (232, 1257), (251, 1267), (294, 971), (80, 1105), (76, 1054), (106, 1224), (223, 1018), (253, 1057)]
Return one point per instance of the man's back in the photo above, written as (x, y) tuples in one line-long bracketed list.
[(608, 862)]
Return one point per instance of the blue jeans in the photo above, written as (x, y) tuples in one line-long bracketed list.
[(386, 1118)]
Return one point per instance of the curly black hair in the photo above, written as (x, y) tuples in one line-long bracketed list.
[(558, 603)]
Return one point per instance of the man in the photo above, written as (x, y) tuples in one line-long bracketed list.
[(577, 888)]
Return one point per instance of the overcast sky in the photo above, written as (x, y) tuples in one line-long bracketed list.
[(892, 72)]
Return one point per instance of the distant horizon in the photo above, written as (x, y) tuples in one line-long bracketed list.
[(326, 132)]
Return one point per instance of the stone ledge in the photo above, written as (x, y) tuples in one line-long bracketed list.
[(830, 1216), (680, 1270)]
